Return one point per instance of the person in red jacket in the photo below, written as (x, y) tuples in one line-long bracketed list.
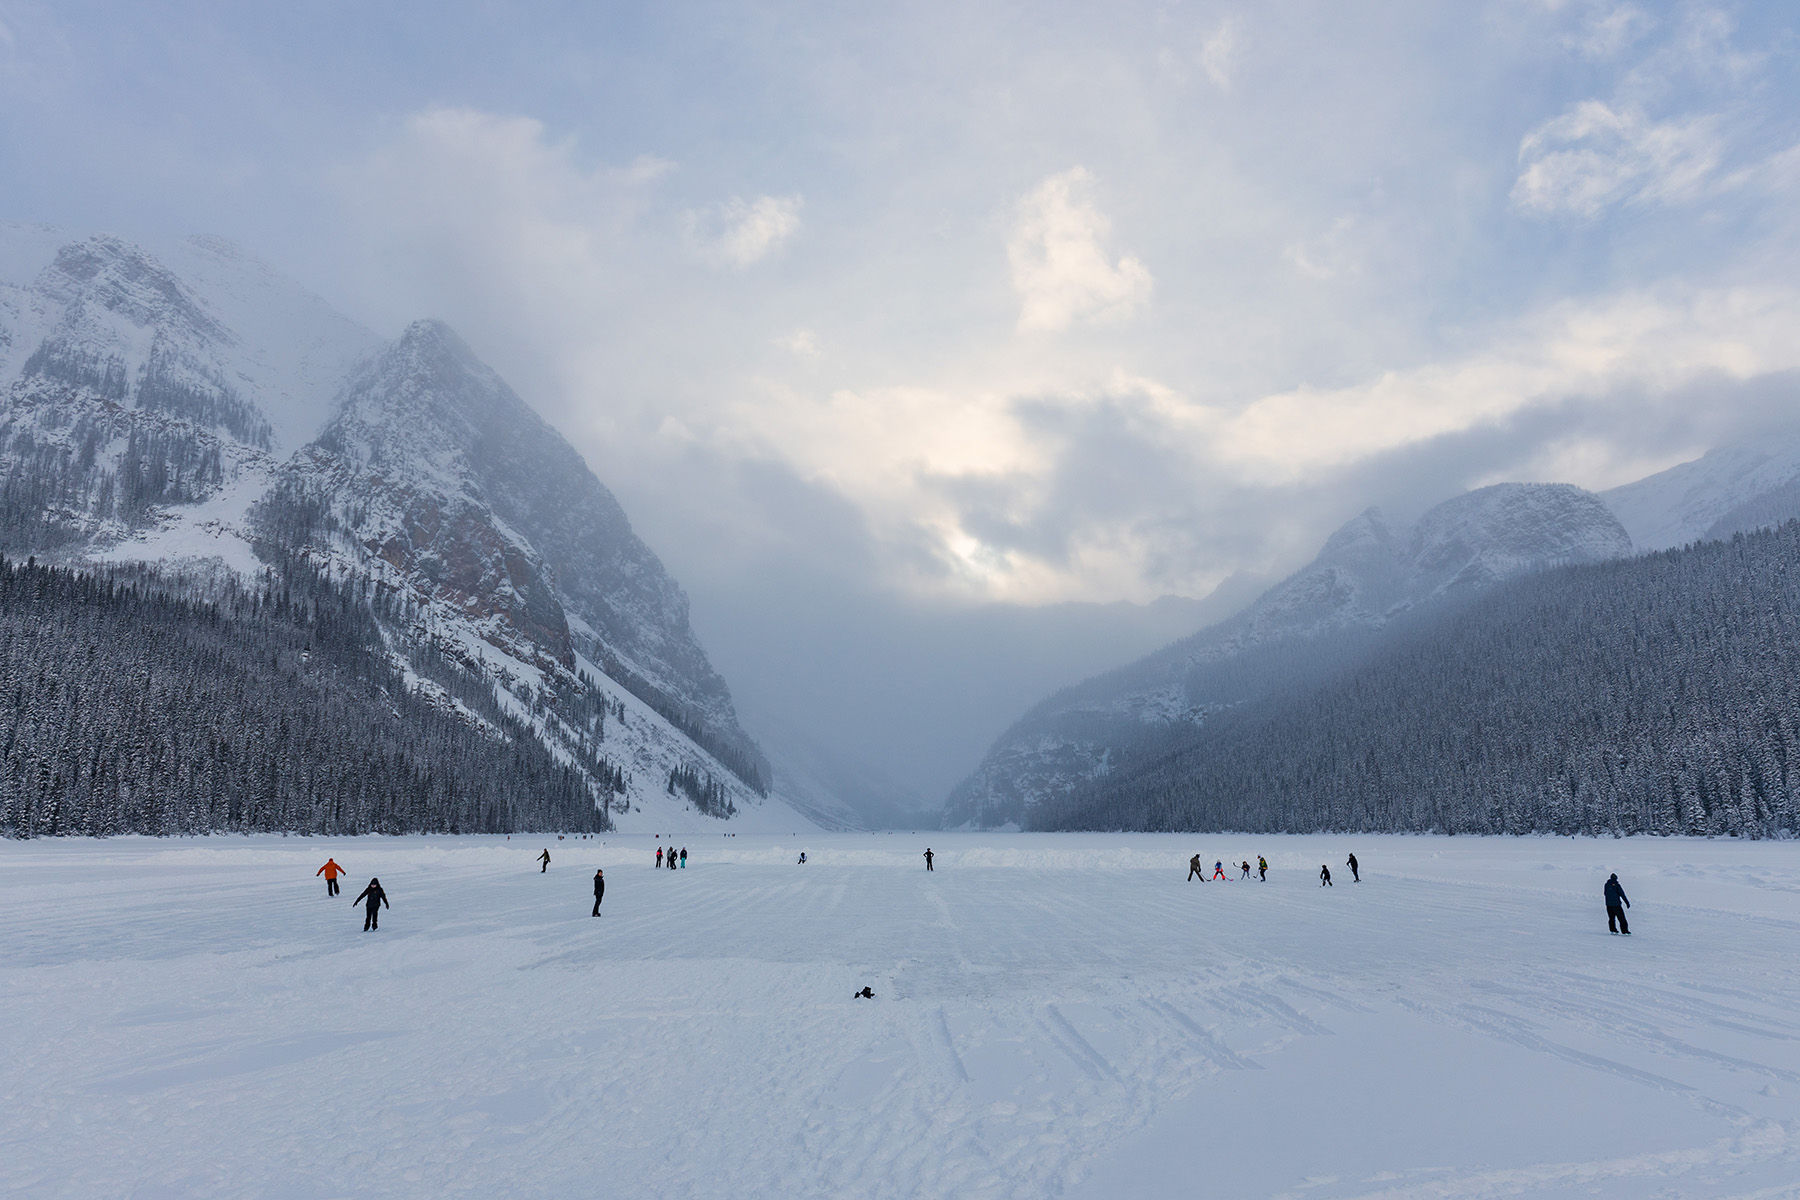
[(330, 871)]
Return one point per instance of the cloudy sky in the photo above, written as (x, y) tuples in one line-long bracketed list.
[(879, 317)]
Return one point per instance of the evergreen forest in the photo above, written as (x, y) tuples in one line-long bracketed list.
[(1652, 695), (132, 702)]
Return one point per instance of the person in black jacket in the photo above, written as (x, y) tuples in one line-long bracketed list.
[(545, 859), (1355, 873), (375, 898), (599, 888), (1616, 904), (1324, 875)]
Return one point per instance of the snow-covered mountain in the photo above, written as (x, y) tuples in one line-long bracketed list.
[(1731, 489), (1366, 575), (205, 411)]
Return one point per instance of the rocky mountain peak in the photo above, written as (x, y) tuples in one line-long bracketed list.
[(120, 278), (1365, 576), (143, 406), (121, 327), (1367, 532), (1496, 532)]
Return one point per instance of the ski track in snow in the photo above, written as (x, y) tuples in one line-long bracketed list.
[(1055, 1015)]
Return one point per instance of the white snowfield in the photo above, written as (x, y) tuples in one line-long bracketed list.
[(1053, 1016)]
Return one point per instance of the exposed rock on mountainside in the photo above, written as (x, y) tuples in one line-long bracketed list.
[(1320, 617), (118, 399), (434, 467), (216, 413)]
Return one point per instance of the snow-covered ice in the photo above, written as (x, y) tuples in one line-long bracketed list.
[(1054, 1015)]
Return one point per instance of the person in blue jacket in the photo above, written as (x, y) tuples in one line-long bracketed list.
[(1616, 904)]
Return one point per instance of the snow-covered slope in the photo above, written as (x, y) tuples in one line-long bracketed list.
[(1366, 574), (439, 481), (144, 408), (201, 409), (1731, 488)]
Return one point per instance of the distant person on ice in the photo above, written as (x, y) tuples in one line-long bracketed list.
[(1246, 874), (1355, 875), (330, 871), (1324, 875), (1616, 904), (659, 858), (545, 859), (1219, 871), (1194, 868), (373, 898), (599, 888), (928, 858), (684, 856), (802, 856), (1262, 868)]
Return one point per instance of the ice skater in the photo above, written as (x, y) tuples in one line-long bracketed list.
[(599, 888), (1324, 875), (1246, 873), (1616, 904), (684, 857), (1195, 869), (659, 858), (545, 859), (330, 871), (1219, 871), (928, 858), (802, 861), (1262, 868), (373, 897), (1355, 875)]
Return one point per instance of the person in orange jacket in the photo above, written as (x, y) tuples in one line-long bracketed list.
[(330, 871)]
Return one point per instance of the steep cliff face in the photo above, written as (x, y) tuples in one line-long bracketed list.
[(211, 413), (434, 467), (117, 401), (144, 407), (1321, 616), (126, 330)]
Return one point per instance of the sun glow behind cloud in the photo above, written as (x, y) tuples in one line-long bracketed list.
[(1033, 380)]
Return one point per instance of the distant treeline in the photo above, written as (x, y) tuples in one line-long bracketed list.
[(702, 790), (131, 703), (1656, 695)]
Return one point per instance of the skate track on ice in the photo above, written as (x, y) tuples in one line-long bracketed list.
[(1055, 1015)]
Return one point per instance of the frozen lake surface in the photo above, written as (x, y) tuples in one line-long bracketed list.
[(1054, 1015)]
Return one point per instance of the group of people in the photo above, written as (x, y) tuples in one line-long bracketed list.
[(374, 897), (1196, 871)]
